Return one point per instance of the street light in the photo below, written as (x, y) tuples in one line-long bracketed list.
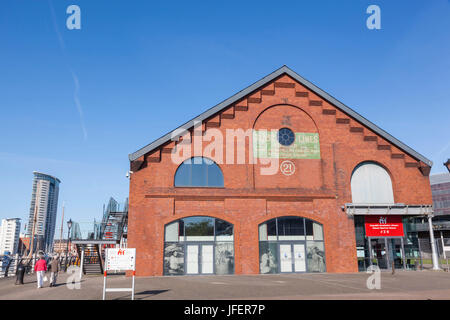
[(69, 226)]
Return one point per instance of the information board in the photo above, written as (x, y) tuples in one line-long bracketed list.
[(120, 259), (305, 146), (384, 226)]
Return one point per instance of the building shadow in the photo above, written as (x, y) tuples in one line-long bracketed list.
[(46, 284)]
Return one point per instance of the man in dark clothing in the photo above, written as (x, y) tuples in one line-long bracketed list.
[(54, 265)]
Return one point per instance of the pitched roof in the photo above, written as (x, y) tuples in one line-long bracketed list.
[(277, 73)]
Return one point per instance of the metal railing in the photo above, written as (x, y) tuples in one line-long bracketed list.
[(410, 264), (437, 225), (10, 269), (111, 227)]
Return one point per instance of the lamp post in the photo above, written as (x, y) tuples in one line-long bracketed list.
[(69, 226)]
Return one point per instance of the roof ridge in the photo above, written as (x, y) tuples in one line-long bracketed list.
[(256, 85)]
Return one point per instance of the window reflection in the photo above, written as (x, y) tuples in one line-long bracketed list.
[(290, 226), (199, 172), (199, 226), (272, 228), (224, 230)]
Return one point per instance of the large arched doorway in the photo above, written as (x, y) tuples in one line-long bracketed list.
[(371, 184), (198, 245), (377, 242), (291, 245)]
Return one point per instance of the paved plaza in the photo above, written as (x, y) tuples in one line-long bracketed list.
[(403, 285)]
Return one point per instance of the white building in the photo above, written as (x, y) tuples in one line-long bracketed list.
[(9, 235)]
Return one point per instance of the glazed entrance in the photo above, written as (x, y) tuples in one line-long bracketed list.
[(291, 245), (292, 257), (385, 251), (198, 245)]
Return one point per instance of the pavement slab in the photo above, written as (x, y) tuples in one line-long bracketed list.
[(403, 285)]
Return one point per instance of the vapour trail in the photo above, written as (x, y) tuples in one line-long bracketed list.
[(76, 98)]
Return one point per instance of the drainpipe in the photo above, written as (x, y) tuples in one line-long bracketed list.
[(433, 245)]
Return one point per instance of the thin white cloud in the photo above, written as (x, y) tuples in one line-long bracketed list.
[(7, 156), (76, 83), (444, 149), (78, 104)]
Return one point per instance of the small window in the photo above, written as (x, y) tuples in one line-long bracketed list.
[(199, 172), (290, 226), (223, 228), (199, 226), (286, 137)]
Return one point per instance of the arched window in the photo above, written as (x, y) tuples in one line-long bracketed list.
[(198, 172), (198, 245), (371, 184), (291, 244)]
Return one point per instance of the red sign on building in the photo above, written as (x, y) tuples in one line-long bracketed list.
[(384, 226)]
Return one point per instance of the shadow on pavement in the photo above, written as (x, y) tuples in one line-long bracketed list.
[(147, 293)]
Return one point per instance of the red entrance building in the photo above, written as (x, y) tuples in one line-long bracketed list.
[(278, 178)]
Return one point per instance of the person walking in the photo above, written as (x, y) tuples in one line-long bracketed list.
[(40, 267), (54, 267)]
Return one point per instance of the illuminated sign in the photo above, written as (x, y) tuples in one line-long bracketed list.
[(384, 226)]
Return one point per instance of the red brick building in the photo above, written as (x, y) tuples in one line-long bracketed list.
[(225, 214)]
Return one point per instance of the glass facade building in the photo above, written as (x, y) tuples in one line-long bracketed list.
[(440, 189), (44, 201)]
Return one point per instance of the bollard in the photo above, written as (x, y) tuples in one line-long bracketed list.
[(393, 268), (20, 272)]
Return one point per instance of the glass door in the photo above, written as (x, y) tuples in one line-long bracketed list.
[(299, 258), (292, 257), (192, 259), (285, 258), (207, 259), (200, 259), (396, 252), (379, 252)]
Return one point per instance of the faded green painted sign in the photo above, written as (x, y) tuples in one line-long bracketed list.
[(305, 146)]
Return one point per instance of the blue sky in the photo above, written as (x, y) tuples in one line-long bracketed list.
[(75, 103)]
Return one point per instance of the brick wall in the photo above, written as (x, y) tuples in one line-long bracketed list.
[(316, 191)]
